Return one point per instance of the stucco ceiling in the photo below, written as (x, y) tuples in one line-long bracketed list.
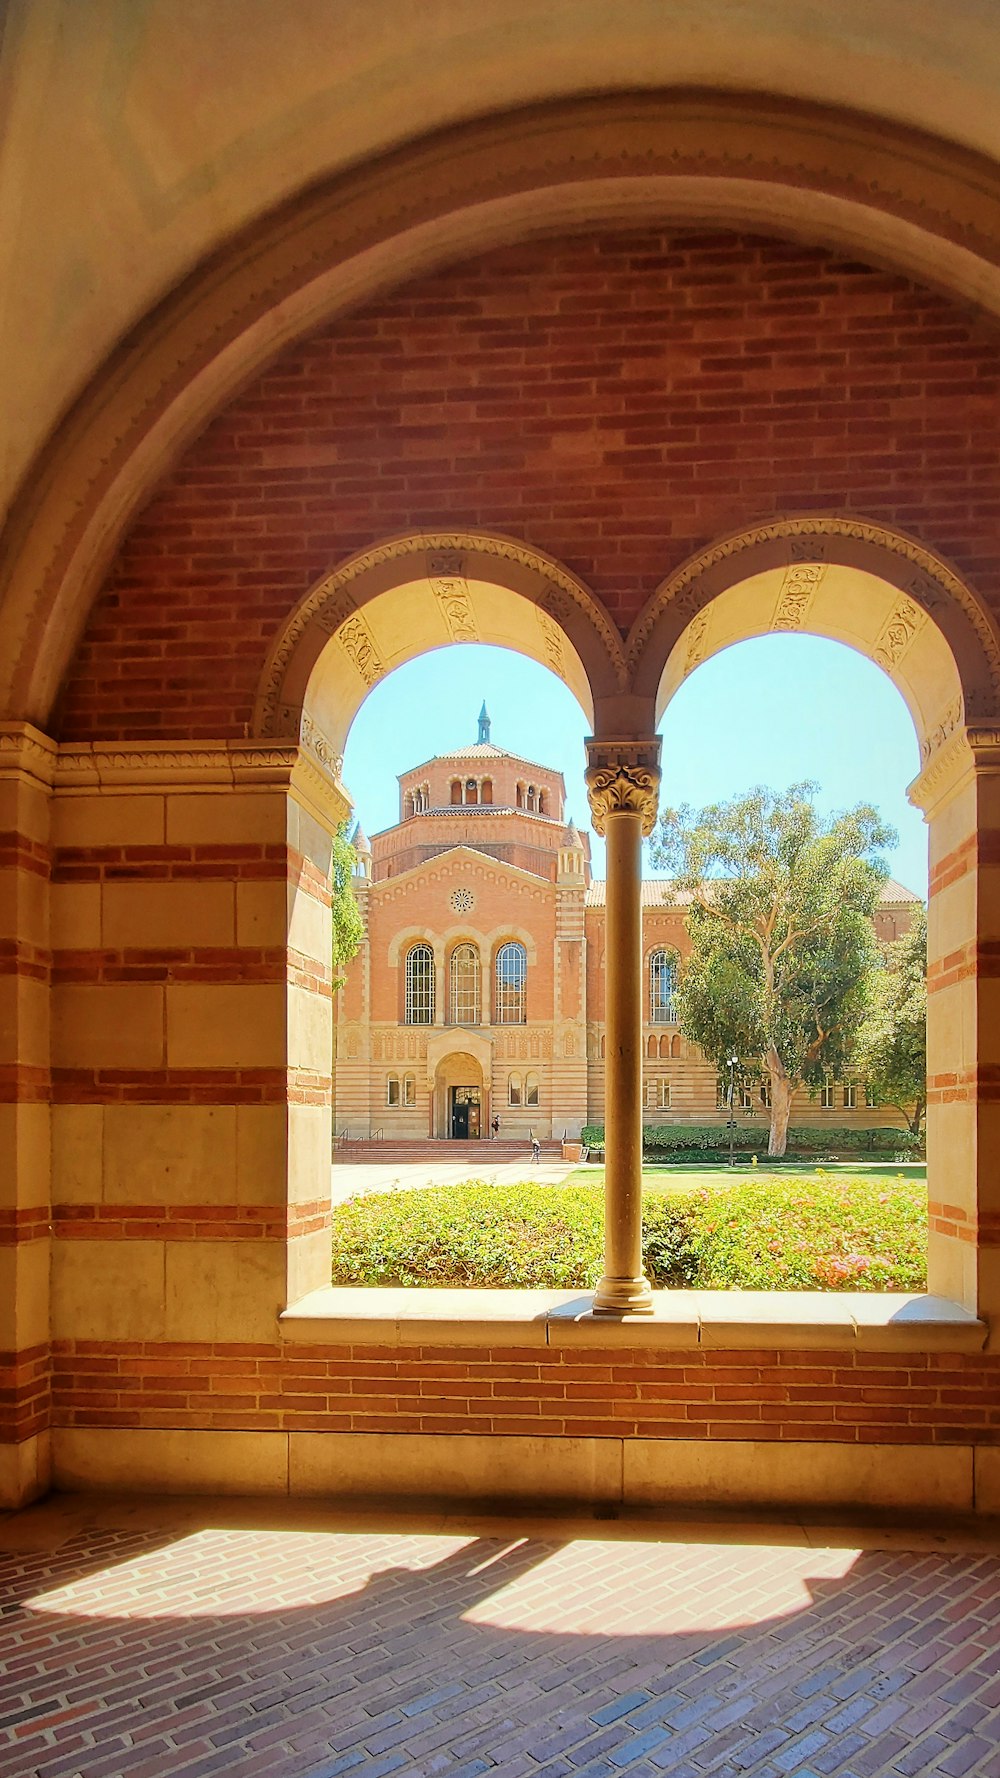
[(140, 134)]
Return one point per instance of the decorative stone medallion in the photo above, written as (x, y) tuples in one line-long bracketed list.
[(462, 900)]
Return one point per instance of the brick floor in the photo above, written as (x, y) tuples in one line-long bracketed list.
[(145, 1650)]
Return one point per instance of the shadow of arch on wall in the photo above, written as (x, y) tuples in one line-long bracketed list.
[(409, 595), (893, 600)]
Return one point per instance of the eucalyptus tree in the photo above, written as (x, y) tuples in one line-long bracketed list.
[(779, 912)]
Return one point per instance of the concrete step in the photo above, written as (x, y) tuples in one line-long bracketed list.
[(442, 1152)]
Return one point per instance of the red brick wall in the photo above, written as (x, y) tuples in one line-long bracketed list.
[(617, 401), (862, 1397)]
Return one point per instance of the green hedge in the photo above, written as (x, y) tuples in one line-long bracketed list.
[(751, 1138), (789, 1234)]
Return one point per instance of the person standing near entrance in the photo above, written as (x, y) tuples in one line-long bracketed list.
[(495, 1128)]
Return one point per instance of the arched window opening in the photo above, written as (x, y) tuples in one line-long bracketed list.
[(511, 979), (543, 805), (456, 792), (531, 1089), (664, 1047), (662, 988), (420, 985), (471, 790), (514, 1089), (675, 1046), (487, 790), (409, 1089), (392, 1090), (651, 1048), (464, 985), (529, 797)]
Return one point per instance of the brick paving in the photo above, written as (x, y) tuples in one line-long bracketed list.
[(288, 1651)]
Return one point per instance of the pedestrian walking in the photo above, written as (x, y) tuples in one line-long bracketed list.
[(536, 1150)]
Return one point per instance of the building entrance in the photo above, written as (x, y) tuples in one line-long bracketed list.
[(465, 1113)]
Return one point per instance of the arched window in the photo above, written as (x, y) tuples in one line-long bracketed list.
[(531, 1089), (512, 973), (662, 987), (514, 1089), (420, 985), (487, 790), (456, 792), (464, 985), (651, 1047), (543, 808), (392, 1089), (409, 1089), (664, 1046)]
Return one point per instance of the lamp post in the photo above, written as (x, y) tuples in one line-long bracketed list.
[(733, 1060)]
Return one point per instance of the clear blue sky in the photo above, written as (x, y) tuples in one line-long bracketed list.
[(770, 711)]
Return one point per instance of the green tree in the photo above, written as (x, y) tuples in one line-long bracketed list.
[(782, 942), (891, 1051), (348, 930)]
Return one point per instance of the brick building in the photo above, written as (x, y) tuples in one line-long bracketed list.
[(478, 992)]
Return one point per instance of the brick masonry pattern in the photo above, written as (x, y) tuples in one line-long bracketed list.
[(618, 401), (862, 1397), (311, 1654)]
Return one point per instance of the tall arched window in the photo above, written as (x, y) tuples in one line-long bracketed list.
[(464, 985), (420, 985), (512, 974), (662, 987)]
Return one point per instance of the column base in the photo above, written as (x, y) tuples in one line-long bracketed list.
[(623, 1296)]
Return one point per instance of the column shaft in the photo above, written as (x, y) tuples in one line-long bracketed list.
[(623, 1285)]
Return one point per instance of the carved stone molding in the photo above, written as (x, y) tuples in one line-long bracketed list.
[(897, 633), (796, 594), (26, 752), (447, 561), (623, 777), (925, 581), (975, 749)]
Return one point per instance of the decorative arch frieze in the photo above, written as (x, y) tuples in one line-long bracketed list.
[(804, 549), (569, 623)]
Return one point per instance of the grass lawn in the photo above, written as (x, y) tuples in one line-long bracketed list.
[(686, 1174)]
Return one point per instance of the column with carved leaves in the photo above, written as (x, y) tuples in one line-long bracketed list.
[(622, 784)]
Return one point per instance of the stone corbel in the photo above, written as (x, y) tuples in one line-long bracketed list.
[(623, 777)]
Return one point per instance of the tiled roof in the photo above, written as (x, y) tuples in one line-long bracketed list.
[(482, 750)]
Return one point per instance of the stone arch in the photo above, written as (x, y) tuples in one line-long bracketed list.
[(403, 597), (881, 592), (894, 600), (839, 178)]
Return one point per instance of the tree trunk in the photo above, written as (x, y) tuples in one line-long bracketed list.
[(917, 1118), (781, 1105)]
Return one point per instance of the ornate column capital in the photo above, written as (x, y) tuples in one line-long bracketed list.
[(623, 777)]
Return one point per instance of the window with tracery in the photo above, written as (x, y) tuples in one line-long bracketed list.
[(511, 978), (420, 985), (514, 1089), (464, 985), (662, 989), (531, 1089)]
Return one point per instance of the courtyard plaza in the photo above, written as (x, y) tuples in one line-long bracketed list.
[(148, 1637)]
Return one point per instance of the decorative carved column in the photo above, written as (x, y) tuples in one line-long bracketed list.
[(622, 783)]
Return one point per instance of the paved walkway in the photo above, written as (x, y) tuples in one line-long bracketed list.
[(165, 1640), (352, 1179)]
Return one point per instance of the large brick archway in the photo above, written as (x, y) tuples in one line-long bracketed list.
[(611, 404)]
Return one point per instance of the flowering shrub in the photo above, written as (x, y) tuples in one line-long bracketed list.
[(792, 1233)]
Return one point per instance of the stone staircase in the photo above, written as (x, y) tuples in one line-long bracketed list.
[(443, 1152)]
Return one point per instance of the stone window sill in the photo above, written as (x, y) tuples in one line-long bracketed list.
[(754, 1319)]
